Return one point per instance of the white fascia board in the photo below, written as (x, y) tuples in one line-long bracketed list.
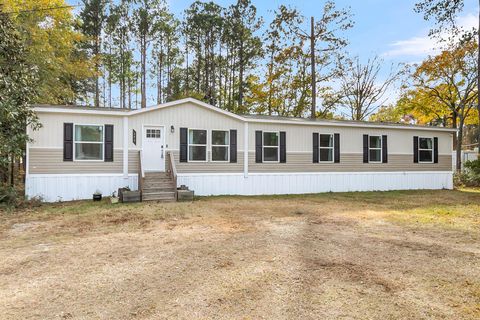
[(241, 118), (346, 124), (186, 100), (80, 111)]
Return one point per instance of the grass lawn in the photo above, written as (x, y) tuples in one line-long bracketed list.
[(374, 255)]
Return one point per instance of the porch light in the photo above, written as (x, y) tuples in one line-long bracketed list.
[(172, 129)]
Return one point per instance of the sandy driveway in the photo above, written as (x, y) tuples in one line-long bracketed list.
[(327, 257)]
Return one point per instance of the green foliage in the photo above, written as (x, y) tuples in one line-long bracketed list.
[(470, 176), (286, 88), (9, 197), (18, 84), (54, 47), (473, 167), (12, 198)]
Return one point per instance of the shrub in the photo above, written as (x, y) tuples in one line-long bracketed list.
[(470, 177), (12, 198), (8, 196), (473, 167)]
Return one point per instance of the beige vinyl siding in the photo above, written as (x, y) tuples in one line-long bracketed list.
[(133, 159), (186, 115), (400, 141), (349, 162), (208, 167), (50, 161), (50, 135), (46, 152)]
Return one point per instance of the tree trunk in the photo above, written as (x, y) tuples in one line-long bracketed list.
[(129, 89), (199, 58), (143, 75), (160, 77), (110, 77), (312, 59), (220, 103), (97, 69), (478, 81), (104, 87), (454, 126), (12, 171), (187, 85), (240, 78), (459, 145), (169, 69)]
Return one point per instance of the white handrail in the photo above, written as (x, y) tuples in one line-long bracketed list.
[(142, 172)]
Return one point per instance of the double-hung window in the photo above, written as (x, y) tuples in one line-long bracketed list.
[(220, 145), (89, 142), (326, 147), (425, 150), (375, 149), (197, 145), (271, 146)]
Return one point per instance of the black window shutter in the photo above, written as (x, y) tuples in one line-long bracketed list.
[(283, 147), (435, 150), (108, 157), (233, 146), (415, 149), (183, 144), (258, 146), (384, 149), (336, 148), (68, 142), (365, 148), (315, 147)]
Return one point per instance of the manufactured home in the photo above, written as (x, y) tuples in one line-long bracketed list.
[(79, 151)]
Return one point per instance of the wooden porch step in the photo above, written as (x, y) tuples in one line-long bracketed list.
[(156, 189), (157, 184), (156, 174), (157, 181), (158, 196)]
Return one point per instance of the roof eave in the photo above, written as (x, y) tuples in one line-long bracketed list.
[(238, 117)]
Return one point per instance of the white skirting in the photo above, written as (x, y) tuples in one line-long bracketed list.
[(65, 187), (297, 183)]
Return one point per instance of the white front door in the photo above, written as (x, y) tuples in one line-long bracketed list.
[(153, 149)]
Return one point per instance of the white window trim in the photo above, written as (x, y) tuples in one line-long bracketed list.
[(381, 149), (197, 145), (420, 149), (278, 147), (219, 145), (332, 148), (95, 142)]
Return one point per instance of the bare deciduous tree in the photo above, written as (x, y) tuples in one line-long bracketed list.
[(362, 91)]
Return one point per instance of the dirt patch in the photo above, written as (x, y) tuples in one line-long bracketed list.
[(294, 257)]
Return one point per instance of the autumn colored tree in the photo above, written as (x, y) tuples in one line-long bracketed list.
[(450, 79), (54, 47), (445, 13), (18, 88)]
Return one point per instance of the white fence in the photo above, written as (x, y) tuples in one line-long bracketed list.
[(466, 156)]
